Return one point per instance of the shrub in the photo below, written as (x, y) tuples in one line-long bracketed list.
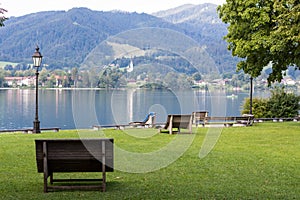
[(259, 107), (280, 104), (283, 104)]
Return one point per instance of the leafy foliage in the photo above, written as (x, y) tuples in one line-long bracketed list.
[(280, 104), (1, 77), (177, 81), (259, 107), (283, 104), (2, 17), (111, 78), (263, 32)]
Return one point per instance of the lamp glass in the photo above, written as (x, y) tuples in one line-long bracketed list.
[(37, 58), (37, 61)]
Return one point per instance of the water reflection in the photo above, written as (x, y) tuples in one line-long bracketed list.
[(69, 109)]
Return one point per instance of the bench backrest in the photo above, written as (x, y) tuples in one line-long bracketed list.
[(75, 155), (199, 116), (179, 121)]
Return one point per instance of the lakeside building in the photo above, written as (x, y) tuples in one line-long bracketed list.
[(19, 81)]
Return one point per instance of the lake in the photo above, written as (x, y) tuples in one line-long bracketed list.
[(69, 109)]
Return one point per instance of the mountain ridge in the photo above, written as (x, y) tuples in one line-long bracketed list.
[(67, 37)]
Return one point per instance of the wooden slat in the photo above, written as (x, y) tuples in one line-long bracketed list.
[(75, 187), (76, 180)]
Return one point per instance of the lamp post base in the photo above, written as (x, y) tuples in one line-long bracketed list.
[(36, 127)]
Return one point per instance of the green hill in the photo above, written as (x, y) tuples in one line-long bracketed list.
[(73, 38)]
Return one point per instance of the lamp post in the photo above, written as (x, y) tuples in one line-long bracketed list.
[(251, 94), (37, 60)]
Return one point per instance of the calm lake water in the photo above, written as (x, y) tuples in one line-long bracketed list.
[(69, 109)]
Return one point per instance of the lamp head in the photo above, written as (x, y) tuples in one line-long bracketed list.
[(37, 57)]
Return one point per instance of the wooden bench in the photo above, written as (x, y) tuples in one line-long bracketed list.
[(74, 155), (199, 117), (115, 126), (29, 130), (178, 121), (229, 121)]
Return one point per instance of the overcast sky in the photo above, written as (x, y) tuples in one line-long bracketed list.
[(23, 7)]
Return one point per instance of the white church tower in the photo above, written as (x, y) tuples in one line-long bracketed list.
[(129, 68)]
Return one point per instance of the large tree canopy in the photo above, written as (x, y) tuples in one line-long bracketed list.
[(2, 17), (263, 32)]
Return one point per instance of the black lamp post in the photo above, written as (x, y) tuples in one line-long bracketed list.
[(37, 60), (251, 94)]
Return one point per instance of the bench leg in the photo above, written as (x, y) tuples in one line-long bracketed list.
[(45, 163), (190, 124), (171, 125), (103, 167), (51, 178), (170, 129), (45, 183), (103, 181)]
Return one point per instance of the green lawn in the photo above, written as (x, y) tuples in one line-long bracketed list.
[(258, 162)]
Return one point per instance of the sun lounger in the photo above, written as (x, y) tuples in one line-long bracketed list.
[(148, 121)]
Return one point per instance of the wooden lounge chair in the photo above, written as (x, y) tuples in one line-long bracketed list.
[(179, 122), (148, 121)]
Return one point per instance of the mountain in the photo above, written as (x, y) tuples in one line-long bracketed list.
[(66, 38), (192, 14), (83, 37), (201, 22)]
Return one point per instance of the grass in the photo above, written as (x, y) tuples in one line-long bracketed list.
[(259, 162)]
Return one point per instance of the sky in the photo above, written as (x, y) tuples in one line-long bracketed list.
[(22, 7)]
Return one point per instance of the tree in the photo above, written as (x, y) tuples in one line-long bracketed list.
[(2, 17), (74, 75), (111, 78), (44, 76), (197, 76), (2, 75), (51, 82), (263, 32), (85, 82), (93, 77)]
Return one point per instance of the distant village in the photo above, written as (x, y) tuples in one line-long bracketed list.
[(69, 81), (114, 76)]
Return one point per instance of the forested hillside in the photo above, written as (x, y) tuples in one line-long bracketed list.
[(201, 22), (66, 38)]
